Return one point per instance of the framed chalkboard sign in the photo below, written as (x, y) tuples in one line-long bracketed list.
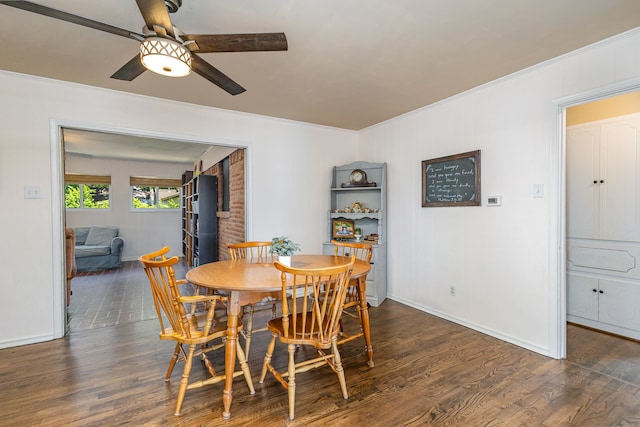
[(451, 180)]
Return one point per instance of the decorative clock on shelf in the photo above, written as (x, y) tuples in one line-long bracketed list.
[(358, 178)]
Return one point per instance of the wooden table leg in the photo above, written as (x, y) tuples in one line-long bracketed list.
[(233, 311), (364, 317)]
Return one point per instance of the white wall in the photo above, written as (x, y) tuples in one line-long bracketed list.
[(498, 258), (144, 231), (289, 172)]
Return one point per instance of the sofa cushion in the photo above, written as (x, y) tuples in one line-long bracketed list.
[(101, 236), (87, 251), (81, 234)]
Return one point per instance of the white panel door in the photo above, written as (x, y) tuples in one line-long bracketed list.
[(582, 296), (583, 186), (619, 303), (619, 191)]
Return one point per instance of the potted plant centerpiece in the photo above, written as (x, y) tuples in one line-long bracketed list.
[(357, 234), (284, 248)]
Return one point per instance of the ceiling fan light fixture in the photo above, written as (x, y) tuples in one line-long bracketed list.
[(165, 56)]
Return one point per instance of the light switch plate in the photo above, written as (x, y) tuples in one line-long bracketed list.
[(538, 191), (32, 192)]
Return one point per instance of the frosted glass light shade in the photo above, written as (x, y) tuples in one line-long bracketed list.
[(165, 56)]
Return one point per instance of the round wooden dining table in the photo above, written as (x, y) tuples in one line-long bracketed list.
[(247, 281)]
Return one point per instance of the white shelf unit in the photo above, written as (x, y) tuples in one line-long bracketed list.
[(373, 198)]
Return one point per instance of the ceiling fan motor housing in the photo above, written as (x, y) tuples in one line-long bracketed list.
[(173, 5)]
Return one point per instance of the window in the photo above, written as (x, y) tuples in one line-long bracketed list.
[(154, 193), (87, 191)]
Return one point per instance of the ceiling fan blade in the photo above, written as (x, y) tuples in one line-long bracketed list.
[(155, 13), (208, 43), (130, 70), (215, 76), (74, 19)]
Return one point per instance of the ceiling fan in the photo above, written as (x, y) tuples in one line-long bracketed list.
[(166, 50)]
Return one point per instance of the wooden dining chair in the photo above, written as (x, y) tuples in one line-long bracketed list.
[(185, 326), (255, 250), (355, 305), (309, 320), (355, 300)]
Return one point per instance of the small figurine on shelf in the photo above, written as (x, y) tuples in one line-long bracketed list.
[(372, 238), (357, 234)]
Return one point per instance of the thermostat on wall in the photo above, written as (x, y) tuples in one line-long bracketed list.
[(494, 200)]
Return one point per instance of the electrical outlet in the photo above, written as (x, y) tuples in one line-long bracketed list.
[(452, 291)]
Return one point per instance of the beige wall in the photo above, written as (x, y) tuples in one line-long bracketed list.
[(503, 260), (604, 109), (284, 158)]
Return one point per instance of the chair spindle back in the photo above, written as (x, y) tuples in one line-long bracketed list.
[(314, 315)]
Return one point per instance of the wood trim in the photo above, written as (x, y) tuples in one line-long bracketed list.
[(77, 178), (146, 181)]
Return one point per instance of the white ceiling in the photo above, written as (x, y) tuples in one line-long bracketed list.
[(126, 147), (350, 63)]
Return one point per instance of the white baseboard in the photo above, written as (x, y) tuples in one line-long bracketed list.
[(462, 322), (25, 341)]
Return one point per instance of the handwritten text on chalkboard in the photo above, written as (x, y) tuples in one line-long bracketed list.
[(452, 180)]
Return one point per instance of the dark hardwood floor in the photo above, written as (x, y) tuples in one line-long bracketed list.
[(428, 372)]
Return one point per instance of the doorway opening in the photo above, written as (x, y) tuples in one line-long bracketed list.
[(138, 142), (558, 205), (603, 238)]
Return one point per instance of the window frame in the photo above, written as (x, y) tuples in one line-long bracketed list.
[(157, 184), (82, 180)]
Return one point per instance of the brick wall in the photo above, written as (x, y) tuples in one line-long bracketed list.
[(231, 223)]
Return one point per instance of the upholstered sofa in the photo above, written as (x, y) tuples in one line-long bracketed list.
[(98, 248)]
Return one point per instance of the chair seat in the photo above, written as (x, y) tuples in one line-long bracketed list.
[(310, 337), (197, 334)]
